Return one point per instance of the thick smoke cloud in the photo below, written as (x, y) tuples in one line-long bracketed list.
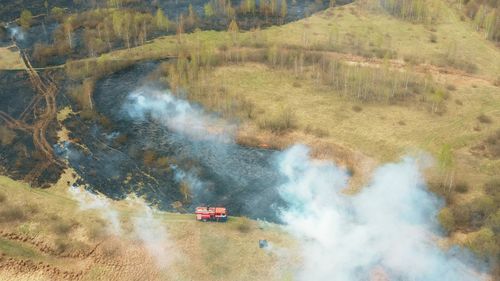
[(386, 232)]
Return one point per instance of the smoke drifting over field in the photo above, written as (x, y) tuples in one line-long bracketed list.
[(90, 201), (386, 232), (177, 114), (146, 227), (152, 233), (16, 32)]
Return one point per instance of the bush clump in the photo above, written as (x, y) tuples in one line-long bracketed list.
[(483, 243), (61, 227), (485, 119), (280, 123), (12, 214), (492, 189), (447, 219), (357, 108), (461, 187), (244, 225)]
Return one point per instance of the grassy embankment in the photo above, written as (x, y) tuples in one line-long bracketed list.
[(54, 238)]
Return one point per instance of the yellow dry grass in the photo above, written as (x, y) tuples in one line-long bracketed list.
[(384, 132), (10, 58)]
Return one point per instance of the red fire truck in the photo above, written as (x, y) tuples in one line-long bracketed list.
[(211, 214)]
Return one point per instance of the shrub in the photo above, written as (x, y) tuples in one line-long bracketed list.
[(61, 227), (473, 215), (478, 210), (105, 122), (493, 222), (318, 132), (57, 13), (461, 187), (451, 87), (281, 122), (485, 119), (149, 157), (7, 135), (483, 243), (88, 114), (449, 60), (433, 38), (12, 214), (492, 189), (185, 192), (461, 216), (357, 108), (26, 19), (244, 225), (163, 162), (60, 246), (446, 219), (121, 139), (497, 82), (96, 230)]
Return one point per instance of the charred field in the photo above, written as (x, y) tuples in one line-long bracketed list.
[(107, 150), (111, 149)]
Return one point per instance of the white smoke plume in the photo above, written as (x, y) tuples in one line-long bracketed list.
[(90, 201), (194, 183), (177, 114), (151, 231), (386, 232), (16, 32)]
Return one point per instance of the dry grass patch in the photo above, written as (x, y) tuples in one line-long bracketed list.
[(10, 58)]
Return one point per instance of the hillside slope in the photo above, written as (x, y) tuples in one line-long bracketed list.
[(47, 235)]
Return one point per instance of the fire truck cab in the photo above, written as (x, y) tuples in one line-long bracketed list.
[(211, 214)]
